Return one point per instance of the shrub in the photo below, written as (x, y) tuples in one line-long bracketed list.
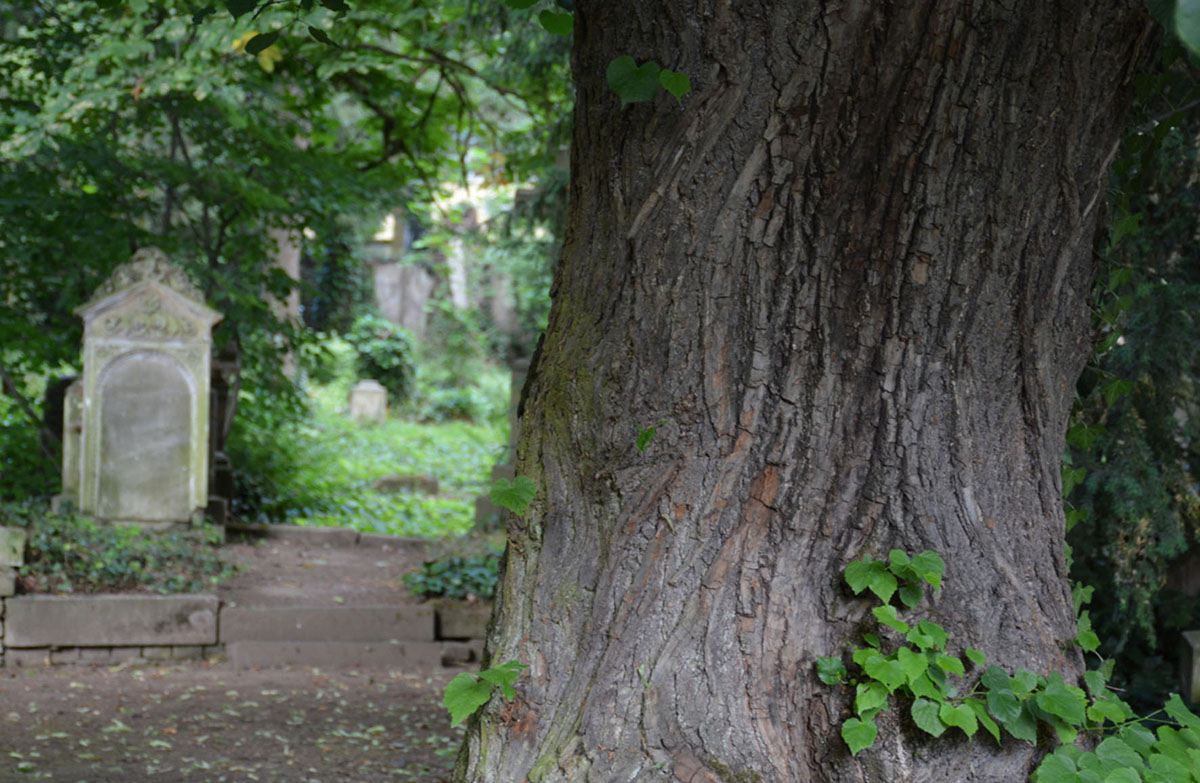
[(385, 353)]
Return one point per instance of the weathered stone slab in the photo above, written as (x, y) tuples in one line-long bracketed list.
[(456, 620), (314, 536), (458, 653), (12, 546), (410, 656), (392, 543), (17, 659), (1189, 666), (316, 624), (8, 581), (401, 482), (116, 620)]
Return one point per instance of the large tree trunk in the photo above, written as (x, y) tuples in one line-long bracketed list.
[(851, 275)]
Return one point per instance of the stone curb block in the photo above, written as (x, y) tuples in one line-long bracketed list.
[(421, 656), (316, 624), (110, 620), (314, 536), (461, 620), (394, 543)]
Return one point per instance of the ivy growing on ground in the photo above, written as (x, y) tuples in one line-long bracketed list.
[(456, 576), (70, 553), (910, 658)]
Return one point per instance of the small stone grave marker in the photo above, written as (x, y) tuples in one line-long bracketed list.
[(368, 402)]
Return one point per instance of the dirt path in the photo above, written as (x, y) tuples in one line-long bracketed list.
[(209, 722)]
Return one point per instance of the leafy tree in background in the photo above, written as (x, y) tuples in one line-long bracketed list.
[(129, 124), (1130, 480)]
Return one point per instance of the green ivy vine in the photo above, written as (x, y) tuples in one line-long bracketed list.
[(910, 659)]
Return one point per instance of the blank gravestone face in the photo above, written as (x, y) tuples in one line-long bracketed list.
[(146, 411)]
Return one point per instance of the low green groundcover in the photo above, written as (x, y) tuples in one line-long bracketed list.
[(71, 553)]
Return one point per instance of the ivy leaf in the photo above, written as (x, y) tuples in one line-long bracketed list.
[(558, 24), (873, 575), (1180, 713), (515, 495), (1024, 681), (644, 437), (921, 640), (503, 676), (858, 734), (633, 83), (886, 670), (1112, 711), (240, 7), (923, 686), (520, 4), (831, 671), (911, 595), (887, 616), (1004, 705), (1065, 701), (261, 42), (872, 640), (977, 657), (925, 715), (930, 566), (1024, 726), (1097, 684), (984, 719), (1115, 752), (1057, 768), (678, 84), (1138, 737), (870, 696), (1124, 775), (913, 664), (1085, 636), (465, 694), (935, 632), (959, 715), (950, 664)]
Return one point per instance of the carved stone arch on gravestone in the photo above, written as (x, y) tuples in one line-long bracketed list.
[(145, 437)]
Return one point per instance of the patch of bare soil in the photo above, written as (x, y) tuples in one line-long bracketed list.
[(210, 722)]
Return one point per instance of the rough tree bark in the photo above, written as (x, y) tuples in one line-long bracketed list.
[(848, 279)]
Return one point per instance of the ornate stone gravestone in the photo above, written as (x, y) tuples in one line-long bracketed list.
[(368, 402), (142, 415)]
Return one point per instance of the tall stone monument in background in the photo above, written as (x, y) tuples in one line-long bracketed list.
[(136, 430)]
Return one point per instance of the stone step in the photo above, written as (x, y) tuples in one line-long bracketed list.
[(318, 624), (110, 620), (409, 656)]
